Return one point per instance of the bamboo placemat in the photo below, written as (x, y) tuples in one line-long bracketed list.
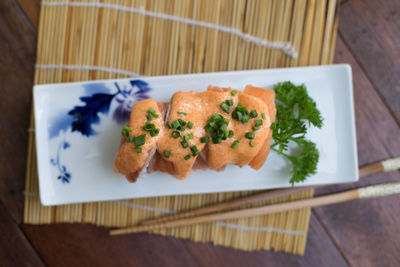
[(91, 40)]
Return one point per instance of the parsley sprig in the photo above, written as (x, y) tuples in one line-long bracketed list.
[(295, 110)]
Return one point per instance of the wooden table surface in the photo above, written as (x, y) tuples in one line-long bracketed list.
[(358, 233)]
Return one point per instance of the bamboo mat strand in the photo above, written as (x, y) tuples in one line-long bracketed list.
[(108, 39)]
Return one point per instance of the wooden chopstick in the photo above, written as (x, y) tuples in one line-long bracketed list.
[(266, 195), (386, 165), (382, 166), (360, 193)]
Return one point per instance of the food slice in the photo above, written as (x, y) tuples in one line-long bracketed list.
[(182, 141), (139, 143), (247, 140), (158, 163), (268, 96)]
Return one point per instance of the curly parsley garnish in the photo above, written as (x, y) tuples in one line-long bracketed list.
[(295, 109)]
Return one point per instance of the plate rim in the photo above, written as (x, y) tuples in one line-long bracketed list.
[(46, 200)]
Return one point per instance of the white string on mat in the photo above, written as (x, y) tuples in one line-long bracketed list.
[(143, 207), (224, 224), (286, 47), (86, 67)]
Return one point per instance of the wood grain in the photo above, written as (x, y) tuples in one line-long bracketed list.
[(17, 56), (31, 9), (88, 245), (371, 29), (365, 230), (321, 251), (15, 249)]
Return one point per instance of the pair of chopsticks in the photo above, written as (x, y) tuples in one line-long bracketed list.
[(209, 214)]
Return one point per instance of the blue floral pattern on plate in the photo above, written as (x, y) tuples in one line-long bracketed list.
[(81, 118), (64, 176)]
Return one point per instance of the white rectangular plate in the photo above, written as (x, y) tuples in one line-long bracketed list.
[(75, 160)]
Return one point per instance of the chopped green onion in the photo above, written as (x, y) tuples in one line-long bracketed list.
[(140, 140), (237, 115), (151, 113), (138, 149), (184, 144), (187, 157), (215, 116), (188, 136), (216, 126), (222, 133), (175, 134), (263, 116), (245, 119), (148, 126), (234, 92), (253, 113), (182, 113), (167, 154), (190, 125), (194, 150), (229, 102), (151, 128), (208, 129), (230, 134), (216, 140), (205, 139), (257, 125), (182, 122), (155, 132), (242, 108), (130, 139), (125, 131), (235, 144), (175, 124), (250, 135), (170, 125), (251, 144), (225, 107), (241, 113)]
